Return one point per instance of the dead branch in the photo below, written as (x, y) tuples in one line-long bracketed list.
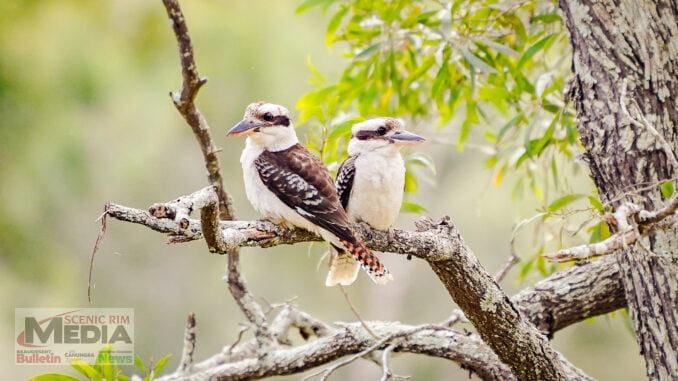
[(184, 102), (632, 223), (189, 345)]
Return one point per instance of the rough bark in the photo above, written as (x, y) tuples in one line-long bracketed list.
[(625, 60), (552, 304), (499, 323)]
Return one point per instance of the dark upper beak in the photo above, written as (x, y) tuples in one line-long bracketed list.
[(406, 137), (242, 128)]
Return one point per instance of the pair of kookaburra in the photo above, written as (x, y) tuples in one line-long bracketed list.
[(288, 184)]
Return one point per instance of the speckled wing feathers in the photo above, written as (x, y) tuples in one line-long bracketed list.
[(299, 179), (344, 181)]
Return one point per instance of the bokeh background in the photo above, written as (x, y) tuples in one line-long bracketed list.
[(85, 119)]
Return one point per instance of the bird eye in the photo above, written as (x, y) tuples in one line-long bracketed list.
[(268, 117), (381, 130)]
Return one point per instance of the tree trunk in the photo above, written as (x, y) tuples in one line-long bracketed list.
[(625, 60)]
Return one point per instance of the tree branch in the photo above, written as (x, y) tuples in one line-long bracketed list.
[(568, 297), (184, 102), (631, 222), (552, 304)]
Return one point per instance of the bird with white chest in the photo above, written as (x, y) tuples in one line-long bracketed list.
[(288, 184), (371, 183)]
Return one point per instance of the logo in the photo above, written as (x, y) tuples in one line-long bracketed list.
[(52, 336)]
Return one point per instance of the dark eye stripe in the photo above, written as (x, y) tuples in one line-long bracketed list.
[(281, 120), (365, 135)]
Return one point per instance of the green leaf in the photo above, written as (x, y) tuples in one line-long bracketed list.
[(501, 48), (470, 120), (599, 232), (105, 363), (505, 128), (525, 269), (546, 18), (308, 4), (367, 52), (595, 202), (410, 183), (422, 160), (139, 363), (334, 24), (667, 189), (343, 128), (161, 364), (317, 78), (563, 202), (477, 62), (411, 207), (534, 49), (86, 369), (53, 377)]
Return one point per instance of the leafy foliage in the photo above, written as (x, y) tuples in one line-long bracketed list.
[(106, 370), (490, 71)]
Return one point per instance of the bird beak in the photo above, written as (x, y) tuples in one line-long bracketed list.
[(245, 127), (407, 138)]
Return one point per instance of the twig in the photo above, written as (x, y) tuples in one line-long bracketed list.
[(100, 237), (455, 317), (386, 370), (189, 345), (629, 219), (607, 246), (355, 312), (241, 333), (510, 262), (325, 373), (634, 192)]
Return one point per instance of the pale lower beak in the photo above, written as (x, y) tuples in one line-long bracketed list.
[(405, 137), (244, 127)]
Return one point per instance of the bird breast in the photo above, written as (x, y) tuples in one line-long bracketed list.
[(378, 188)]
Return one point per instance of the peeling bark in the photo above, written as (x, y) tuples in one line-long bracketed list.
[(634, 44)]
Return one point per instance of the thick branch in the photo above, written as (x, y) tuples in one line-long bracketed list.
[(495, 317), (442, 247)]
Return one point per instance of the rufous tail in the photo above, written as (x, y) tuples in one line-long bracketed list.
[(343, 268), (368, 261)]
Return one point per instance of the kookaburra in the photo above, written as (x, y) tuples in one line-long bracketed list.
[(370, 183), (288, 184)]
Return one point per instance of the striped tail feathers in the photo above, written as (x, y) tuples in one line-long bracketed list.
[(368, 261), (343, 268)]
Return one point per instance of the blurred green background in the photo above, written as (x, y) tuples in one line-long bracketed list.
[(85, 119)]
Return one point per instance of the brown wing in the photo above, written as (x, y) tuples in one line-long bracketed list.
[(301, 181), (344, 181)]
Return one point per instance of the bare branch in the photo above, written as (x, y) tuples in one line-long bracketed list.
[(100, 237), (631, 223), (325, 373), (189, 345), (184, 102)]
